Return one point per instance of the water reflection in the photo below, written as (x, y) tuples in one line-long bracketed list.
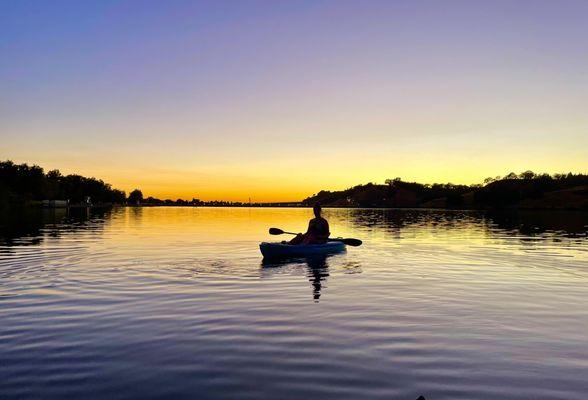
[(566, 223), (121, 303), (33, 224), (26, 226), (560, 224), (317, 270)]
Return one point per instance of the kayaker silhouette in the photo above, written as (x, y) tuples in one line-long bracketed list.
[(317, 232)]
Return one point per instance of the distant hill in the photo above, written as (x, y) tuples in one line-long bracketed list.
[(526, 191)]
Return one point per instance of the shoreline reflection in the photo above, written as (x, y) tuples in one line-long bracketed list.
[(28, 226)]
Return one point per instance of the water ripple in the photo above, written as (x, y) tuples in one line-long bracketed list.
[(165, 303)]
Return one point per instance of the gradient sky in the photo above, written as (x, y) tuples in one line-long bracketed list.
[(276, 100)]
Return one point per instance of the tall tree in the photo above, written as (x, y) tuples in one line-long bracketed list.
[(135, 197)]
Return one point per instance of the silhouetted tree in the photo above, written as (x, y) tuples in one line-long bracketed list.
[(135, 197), (22, 183), (527, 175), (391, 182)]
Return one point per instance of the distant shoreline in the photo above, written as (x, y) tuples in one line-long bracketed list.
[(31, 185), (503, 209), (365, 208)]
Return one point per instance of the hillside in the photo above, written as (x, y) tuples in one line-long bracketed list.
[(525, 191)]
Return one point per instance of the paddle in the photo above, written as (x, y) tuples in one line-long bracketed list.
[(347, 241)]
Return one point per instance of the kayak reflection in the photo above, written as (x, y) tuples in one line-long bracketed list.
[(317, 270)]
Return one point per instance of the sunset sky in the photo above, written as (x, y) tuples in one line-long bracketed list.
[(277, 100)]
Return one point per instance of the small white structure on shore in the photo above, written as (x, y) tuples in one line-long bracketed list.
[(55, 203)]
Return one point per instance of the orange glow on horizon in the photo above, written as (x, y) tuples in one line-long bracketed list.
[(289, 182)]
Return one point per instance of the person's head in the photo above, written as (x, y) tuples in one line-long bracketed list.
[(317, 210)]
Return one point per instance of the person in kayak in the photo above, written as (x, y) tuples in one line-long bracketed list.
[(318, 230)]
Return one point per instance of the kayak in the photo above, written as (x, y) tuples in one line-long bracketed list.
[(277, 249)]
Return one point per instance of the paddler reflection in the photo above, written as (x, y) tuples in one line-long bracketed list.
[(317, 271)]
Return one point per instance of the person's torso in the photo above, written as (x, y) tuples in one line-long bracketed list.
[(318, 226)]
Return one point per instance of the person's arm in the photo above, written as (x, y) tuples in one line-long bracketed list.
[(309, 229)]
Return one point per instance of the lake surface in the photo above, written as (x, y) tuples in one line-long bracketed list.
[(176, 303)]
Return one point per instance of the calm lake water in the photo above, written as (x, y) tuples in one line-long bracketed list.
[(176, 303)]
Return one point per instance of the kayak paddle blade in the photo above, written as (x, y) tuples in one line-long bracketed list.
[(275, 231), (349, 241), (352, 242)]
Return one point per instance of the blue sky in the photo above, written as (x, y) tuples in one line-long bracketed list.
[(277, 100)]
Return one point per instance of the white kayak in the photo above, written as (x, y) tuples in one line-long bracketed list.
[(277, 249)]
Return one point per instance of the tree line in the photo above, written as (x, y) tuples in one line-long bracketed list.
[(500, 191), (21, 183), (136, 198)]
